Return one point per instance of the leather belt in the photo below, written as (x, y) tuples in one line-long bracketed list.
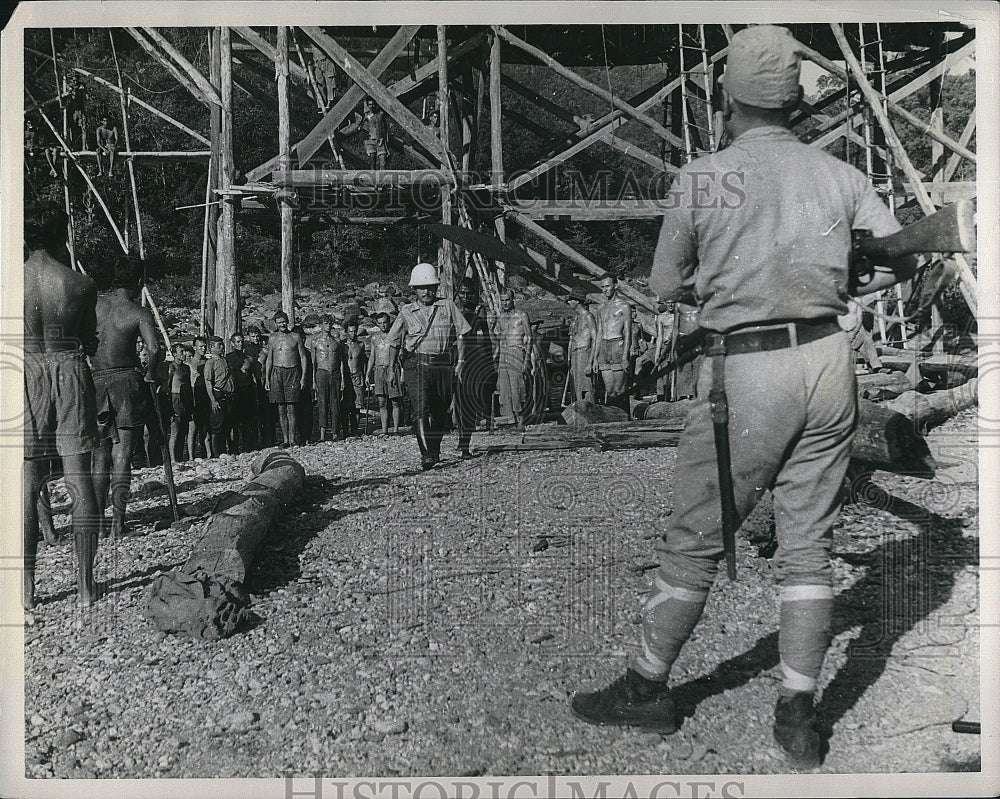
[(444, 358), (774, 337)]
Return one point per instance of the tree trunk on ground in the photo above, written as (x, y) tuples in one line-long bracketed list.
[(927, 411)]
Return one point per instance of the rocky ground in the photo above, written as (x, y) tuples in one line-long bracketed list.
[(436, 623)]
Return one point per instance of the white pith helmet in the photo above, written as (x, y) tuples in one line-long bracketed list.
[(424, 275)]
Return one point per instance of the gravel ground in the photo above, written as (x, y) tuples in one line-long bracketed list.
[(435, 623)]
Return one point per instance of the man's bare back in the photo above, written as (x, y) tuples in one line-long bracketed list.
[(120, 323), (58, 306)]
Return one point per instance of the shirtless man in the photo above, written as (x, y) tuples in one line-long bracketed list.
[(513, 353), (383, 377), (60, 330), (614, 342), (107, 146), (199, 431), (123, 386), (181, 399), (356, 361), (285, 374), (327, 357), (582, 335)]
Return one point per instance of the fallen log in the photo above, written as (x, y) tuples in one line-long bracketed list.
[(584, 412), (936, 367), (205, 597), (882, 385), (927, 411), (668, 410)]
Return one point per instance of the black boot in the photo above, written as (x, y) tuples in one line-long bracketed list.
[(427, 455), (630, 701), (795, 729)]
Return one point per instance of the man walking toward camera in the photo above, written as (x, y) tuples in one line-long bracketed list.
[(285, 374), (770, 274), (430, 333)]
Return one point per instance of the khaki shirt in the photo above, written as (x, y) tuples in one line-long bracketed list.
[(447, 325), (219, 375), (761, 231)]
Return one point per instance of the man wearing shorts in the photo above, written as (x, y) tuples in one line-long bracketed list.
[(383, 376), (123, 386), (181, 399), (614, 342), (60, 330), (284, 374)]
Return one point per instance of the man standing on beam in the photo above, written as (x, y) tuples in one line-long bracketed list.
[(426, 337), (761, 232)]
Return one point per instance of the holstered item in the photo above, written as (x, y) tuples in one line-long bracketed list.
[(719, 404)]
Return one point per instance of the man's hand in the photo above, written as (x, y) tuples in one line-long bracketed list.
[(459, 368), (216, 407), (302, 384)]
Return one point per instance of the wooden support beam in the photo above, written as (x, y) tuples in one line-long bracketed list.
[(227, 319), (189, 69), (964, 140), (644, 302), (168, 154), (362, 178), (210, 244), (167, 64), (374, 88), (604, 210), (131, 98), (583, 83), (446, 252), (263, 46), (285, 199), (895, 107), (968, 284), (130, 163)]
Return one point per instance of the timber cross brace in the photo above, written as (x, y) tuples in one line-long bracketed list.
[(529, 132)]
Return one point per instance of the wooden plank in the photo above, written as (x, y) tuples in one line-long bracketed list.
[(131, 98), (378, 178), (590, 210), (263, 46), (593, 88), (378, 92), (167, 64), (966, 137), (226, 285)]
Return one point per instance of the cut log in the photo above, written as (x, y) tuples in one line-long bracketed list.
[(584, 412), (934, 367), (233, 533), (882, 385), (927, 411), (888, 440), (668, 410), (205, 597)]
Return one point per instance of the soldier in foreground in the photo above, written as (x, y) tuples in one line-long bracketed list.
[(430, 333), (123, 385), (582, 334), (60, 330), (284, 374), (770, 273), (613, 344)]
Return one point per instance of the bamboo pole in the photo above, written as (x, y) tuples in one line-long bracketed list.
[(497, 181), (445, 252), (212, 211), (284, 201), (128, 162), (70, 232), (593, 88), (955, 159), (968, 284), (139, 101), (204, 247)]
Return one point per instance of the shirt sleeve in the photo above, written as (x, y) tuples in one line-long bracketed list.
[(872, 213), (458, 320), (675, 257), (395, 334)]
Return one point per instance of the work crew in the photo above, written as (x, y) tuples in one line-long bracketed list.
[(513, 358), (60, 418), (123, 385), (430, 332), (614, 342), (582, 336), (769, 268)]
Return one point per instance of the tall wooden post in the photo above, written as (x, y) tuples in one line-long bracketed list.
[(497, 182), (286, 198), (445, 253), (227, 283), (211, 242)]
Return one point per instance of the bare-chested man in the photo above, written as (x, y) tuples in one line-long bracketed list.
[(123, 386), (285, 374), (614, 342), (383, 377), (356, 362), (582, 335), (513, 336), (327, 357), (60, 330)]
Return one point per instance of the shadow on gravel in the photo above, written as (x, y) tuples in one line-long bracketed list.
[(279, 562), (905, 581), (113, 585)]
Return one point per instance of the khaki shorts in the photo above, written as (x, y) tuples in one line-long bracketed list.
[(60, 407), (122, 400)]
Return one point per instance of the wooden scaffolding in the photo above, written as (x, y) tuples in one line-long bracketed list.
[(464, 74)]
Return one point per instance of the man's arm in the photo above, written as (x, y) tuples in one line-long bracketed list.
[(627, 335), (889, 274), (88, 318), (598, 332), (267, 365), (303, 360), (150, 337), (209, 379)]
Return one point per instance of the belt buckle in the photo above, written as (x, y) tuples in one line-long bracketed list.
[(793, 334)]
